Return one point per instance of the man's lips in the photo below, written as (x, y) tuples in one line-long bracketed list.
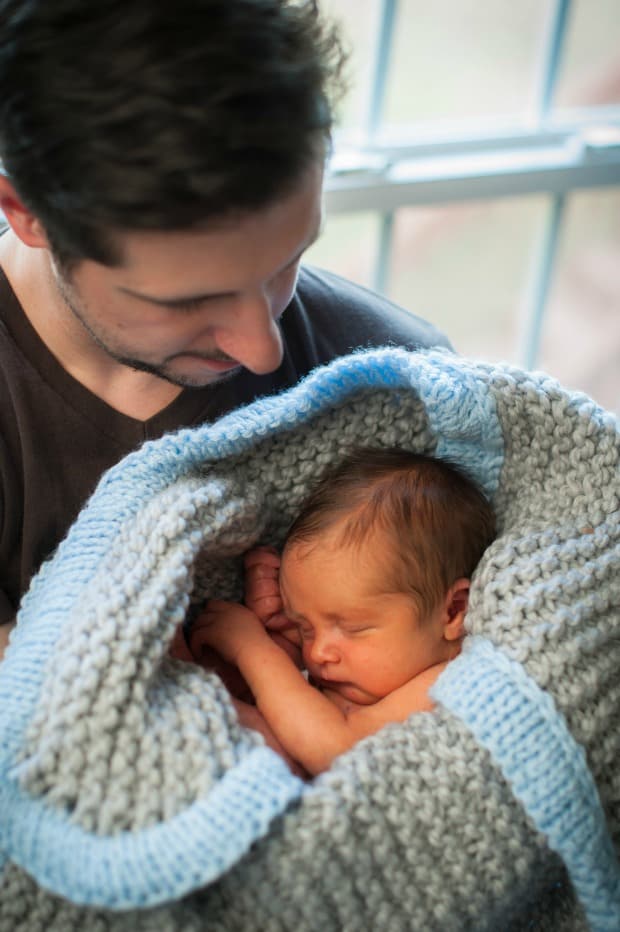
[(222, 365), (216, 365)]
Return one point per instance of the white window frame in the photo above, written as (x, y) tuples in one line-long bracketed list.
[(420, 166)]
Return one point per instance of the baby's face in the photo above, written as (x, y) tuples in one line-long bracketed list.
[(357, 641)]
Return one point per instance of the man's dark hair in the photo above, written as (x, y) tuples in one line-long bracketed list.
[(429, 521), (125, 115)]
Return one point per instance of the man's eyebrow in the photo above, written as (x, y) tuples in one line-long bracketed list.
[(187, 300)]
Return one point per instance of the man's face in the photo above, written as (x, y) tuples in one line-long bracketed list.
[(193, 307)]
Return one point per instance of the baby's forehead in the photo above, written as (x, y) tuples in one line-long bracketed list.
[(369, 561)]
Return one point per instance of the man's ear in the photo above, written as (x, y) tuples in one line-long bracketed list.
[(457, 600), (23, 223)]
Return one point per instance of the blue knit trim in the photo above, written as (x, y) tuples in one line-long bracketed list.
[(153, 865), (519, 724)]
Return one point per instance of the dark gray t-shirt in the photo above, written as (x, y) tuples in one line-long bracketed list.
[(57, 438)]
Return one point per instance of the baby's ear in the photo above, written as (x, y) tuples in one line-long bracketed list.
[(457, 599)]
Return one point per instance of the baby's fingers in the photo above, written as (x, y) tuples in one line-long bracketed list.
[(278, 621), (262, 594), (266, 608), (258, 585), (262, 556), (262, 579)]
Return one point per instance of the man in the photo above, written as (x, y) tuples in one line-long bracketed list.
[(162, 180)]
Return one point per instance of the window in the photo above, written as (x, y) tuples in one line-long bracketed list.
[(476, 176)]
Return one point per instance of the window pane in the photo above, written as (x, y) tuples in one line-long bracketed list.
[(359, 21), (580, 341), (590, 69), (465, 267), (465, 59), (348, 246)]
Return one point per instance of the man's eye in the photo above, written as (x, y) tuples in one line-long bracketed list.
[(190, 305)]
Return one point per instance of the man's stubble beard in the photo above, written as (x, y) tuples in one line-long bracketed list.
[(66, 292)]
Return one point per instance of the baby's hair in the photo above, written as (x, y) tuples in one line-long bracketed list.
[(435, 519)]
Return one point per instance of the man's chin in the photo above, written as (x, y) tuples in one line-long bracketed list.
[(192, 381)]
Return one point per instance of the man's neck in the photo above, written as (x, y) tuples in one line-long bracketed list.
[(136, 394)]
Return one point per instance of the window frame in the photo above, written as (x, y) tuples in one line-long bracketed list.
[(556, 154)]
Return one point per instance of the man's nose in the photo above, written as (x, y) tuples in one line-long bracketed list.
[(252, 336)]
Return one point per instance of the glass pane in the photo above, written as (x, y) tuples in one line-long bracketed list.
[(359, 23), (580, 342), (590, 67), (348, 246), (465, 268), (467, 59)]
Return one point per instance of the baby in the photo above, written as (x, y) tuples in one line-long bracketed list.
[(371, 589)]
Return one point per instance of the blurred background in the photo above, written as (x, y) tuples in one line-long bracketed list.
[(475, 177)]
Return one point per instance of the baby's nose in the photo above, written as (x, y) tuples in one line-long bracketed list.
[(323, 650)]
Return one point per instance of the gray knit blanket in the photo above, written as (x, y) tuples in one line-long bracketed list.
[(132, 799)]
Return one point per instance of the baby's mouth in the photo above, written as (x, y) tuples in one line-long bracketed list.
[(322, 682)]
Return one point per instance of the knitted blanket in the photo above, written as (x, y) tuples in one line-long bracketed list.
[(132, 799)]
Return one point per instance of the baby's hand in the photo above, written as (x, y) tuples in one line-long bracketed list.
[(262, 596), (262, 585), (227, 627)]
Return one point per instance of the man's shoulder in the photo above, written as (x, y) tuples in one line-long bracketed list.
[(343, 312)]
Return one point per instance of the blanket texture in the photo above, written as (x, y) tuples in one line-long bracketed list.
[(131, 798)]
